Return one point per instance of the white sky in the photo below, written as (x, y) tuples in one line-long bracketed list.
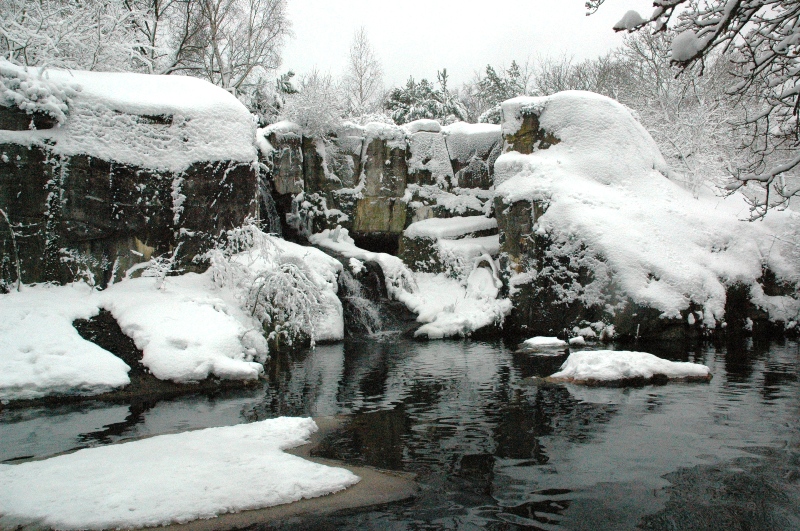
[(419, 37)]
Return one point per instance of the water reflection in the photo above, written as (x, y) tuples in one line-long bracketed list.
[(493, 451)]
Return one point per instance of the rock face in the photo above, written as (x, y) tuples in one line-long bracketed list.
[(86, 216), (97, 173), (376, 180)]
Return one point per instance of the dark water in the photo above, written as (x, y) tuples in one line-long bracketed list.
[(492, 451)]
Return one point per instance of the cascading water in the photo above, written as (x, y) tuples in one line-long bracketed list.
[(361, 315), (269, 212)]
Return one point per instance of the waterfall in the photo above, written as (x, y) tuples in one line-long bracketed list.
[(269, 212), (361, 315)]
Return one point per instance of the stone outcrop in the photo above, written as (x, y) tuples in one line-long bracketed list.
[(567, 230), (95, 181), (82, 215), (376, 180)]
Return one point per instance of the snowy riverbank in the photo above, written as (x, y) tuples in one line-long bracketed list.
[(169, 478)]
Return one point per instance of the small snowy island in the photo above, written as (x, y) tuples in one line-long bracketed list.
[(168, 479), (620, 368)]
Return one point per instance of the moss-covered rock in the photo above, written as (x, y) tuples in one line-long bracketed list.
[(530, 136), (380, 214)]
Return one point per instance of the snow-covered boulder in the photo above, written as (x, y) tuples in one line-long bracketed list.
[(620, 367), (126, 161), (592, 228)]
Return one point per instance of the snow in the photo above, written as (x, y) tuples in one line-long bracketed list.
[(169, 478), (111, 116), (399, 279), (542, 341), (429, 153), (41, 352), (471, 248), (423, 124), (465, 140), (263, 145), (629, 21), (188, 327), (445, 306), (685, 46), (31, 93), (187, 330), (394, 135), (448, 228), (466, 199), (263, 253), (283, 127), (449, 309), (615, 365), (605, 189)]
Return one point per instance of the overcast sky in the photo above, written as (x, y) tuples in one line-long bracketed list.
[(419, 37)]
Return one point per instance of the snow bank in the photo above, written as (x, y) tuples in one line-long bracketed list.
[(604, 188), (41, 353), (187, 330), (169, 478), (159, 122), (449, 228), (449, 309), (423, 124), (614, 366), (188, 327)]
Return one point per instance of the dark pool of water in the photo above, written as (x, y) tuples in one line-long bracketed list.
[(492, 451)]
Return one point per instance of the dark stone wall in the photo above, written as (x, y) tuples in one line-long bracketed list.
[(80, 213), (315, 183)]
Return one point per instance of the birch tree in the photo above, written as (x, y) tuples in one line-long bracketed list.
[(363, 82)]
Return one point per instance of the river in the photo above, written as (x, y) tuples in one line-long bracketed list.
[(491, 450)]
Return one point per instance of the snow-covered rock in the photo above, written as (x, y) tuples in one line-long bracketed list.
[(450, 228), (595, 229), (544, 341), (187, 329), (41, 353), (159, 122), (136, 160), (608, 367)]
